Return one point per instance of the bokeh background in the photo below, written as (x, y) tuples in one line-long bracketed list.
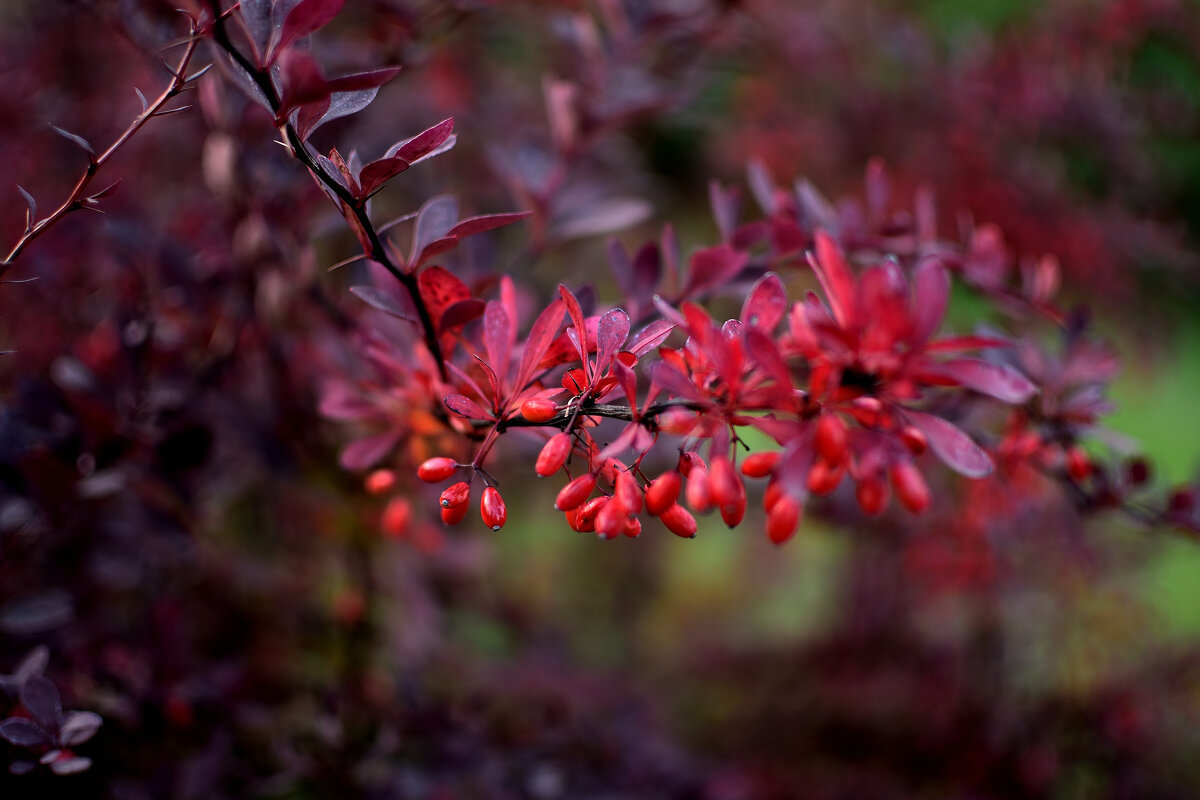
[(176, 530)]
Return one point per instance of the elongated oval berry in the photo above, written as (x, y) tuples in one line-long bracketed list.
[(454, 514), (872, 495), (724, 485), (380, 481), (539, 409), (910, 485), (914, 440), (696, 490), (760, 465), (574, 493), (632, 528), (572, 515), (628, 492), (610, 519), (436, 469), (733, 513), (784, 519), (663, 491), (1079, 465), (395, 519), (831, 438), (823, 479), (554, 454), (492, 509), (679, 521), (456, 494), (772, 494), (587, 514)]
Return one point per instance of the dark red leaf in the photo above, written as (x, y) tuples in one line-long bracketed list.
[(366, 452), (435, 219), (576, 314), (486, 222), (375, 174), (436, 248), (712, 267), (40, 697), (465, 407), (304, 18), (424, 144), (460, 313), (765, 353), (540, 336)]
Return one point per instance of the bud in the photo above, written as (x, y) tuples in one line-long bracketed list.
[(910, 485), (679, 521), (492, 509), (872, 495), (539, 409), (760, 465), (455, 495), (831, 438), (436, 469), (395, 519), (783, 519), (380, 481), (554, 454), (574, 493), (663, 491), (454, 514)]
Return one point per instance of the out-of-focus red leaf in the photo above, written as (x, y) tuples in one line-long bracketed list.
[(366, 452), (952, 445), (836, 278), (379, 299), (931, 292), (765, 353), (576, 314), (996, 380), (605, 216), (674, 382), (486, 222), (460, 313), (766, 304), (497, 330), (712, 267)]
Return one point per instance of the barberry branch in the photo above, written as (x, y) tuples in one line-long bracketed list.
[(79, 197), (375, 250)]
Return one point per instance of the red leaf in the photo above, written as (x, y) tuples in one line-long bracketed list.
[(465, 407), (931, 291), (424, 144), (611, 333), (440, 289), (954, 447), (712, 267), (375, 174), (304, 18), (358, 81), (836, 278), (460, 313), (996, 380), (765, 353), (540, 335), (576, 314), (435, 219), (766, 303), (497, 331), (651, 337), (435, 248)]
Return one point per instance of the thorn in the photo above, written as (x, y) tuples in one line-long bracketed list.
[(142, 97), (170, 111), (198, 73)]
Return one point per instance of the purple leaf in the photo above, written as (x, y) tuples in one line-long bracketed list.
[(366, 452), (40, 696), (674, 382), (341, 104), (724, 204), (79, 140), (34, 663), (651, 337), (996, 380), (465, 407), (304, 18), (647, 271), (952, 446), (540, 336), (435, 219), (766, 304), (761, 185), (257, 16), (634, 437), (436, 248), (606, 216), (78, 727), (486, 222), (23, 732), (931, 291), (70, 766), (611, 334), (381, 300), (497, 330)]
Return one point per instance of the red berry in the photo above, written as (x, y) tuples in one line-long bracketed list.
[(696, 490), (454, 514), (492, 509), (823, 479), (679, 521), (633, 527), (436, 469), (574, 493), (554, 454), (910, 485), (760, 465), (380, 481), (587, 515), (396, 515), (456, 494), (772, 494), (663, 491), (539, 409), (914, 440), (872, 495), (610, 519), (726, 491), (628, 492), (1079, 465), (783, 519), (831, 438)]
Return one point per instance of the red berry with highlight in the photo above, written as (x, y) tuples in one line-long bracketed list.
[(911, 489), (538, 409), (574, 493), (492, 509), (760, 465), (380, 481), (455, 495), (679, 521), (663, 491), (554, 454), (436, 469), (831, 438), (455, 514), (784, 519)]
